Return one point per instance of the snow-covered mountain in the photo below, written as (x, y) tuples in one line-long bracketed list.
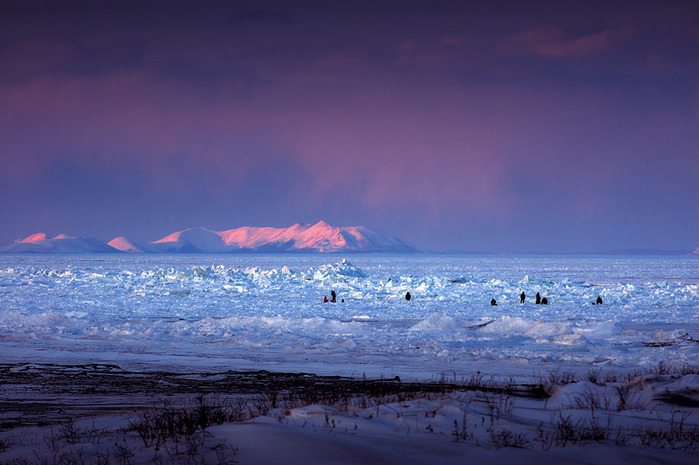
[(194, 240), (316, 238), (124, 244), (322, 237), (40, 243)]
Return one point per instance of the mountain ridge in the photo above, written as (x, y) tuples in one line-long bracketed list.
[(316, 238)]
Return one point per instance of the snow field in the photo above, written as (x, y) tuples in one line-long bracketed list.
[(268, 311)]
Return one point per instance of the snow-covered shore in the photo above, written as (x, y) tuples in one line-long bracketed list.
[(102, 414)]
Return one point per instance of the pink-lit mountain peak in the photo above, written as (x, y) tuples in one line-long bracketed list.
[(34, 238), (317, 238), (191, 240), (41, 243), (252, 237), (325, 238), (297, 236), (127, 245), (188, 234), (42, 238)]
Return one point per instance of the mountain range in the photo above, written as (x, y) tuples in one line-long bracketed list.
[(316, 238)]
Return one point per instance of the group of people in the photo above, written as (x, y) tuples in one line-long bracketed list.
[(333, 297), (540, 300), (522, 297)]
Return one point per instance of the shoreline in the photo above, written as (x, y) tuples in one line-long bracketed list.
[(45, 394)]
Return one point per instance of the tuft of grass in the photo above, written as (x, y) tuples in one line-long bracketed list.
[(628, 398), (501, 438), (678, 436), (158, 426), (578, 433)]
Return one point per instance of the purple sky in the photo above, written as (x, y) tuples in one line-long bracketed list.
[(509, 127)]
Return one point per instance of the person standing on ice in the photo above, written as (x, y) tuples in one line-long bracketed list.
[(538, 298), (599, 300), (408, 296), (522, 297), (333, 296)]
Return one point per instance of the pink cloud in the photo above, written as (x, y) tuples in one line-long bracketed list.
[(432, 149), (590, 44), (555, 42), (121, 118)]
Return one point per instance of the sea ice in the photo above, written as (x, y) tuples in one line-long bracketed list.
[(268, 311)]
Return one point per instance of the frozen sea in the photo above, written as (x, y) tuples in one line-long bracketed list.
[(251, 312)]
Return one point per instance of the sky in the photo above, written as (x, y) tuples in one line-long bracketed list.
[(510, 127)]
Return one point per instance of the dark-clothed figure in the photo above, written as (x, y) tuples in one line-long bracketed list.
[(493, 302), (522, 297), (333, 296), (408, 296), (599, 300), (538, 298), (544, 301)]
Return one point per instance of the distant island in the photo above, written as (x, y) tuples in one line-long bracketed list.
[(317, 238)]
